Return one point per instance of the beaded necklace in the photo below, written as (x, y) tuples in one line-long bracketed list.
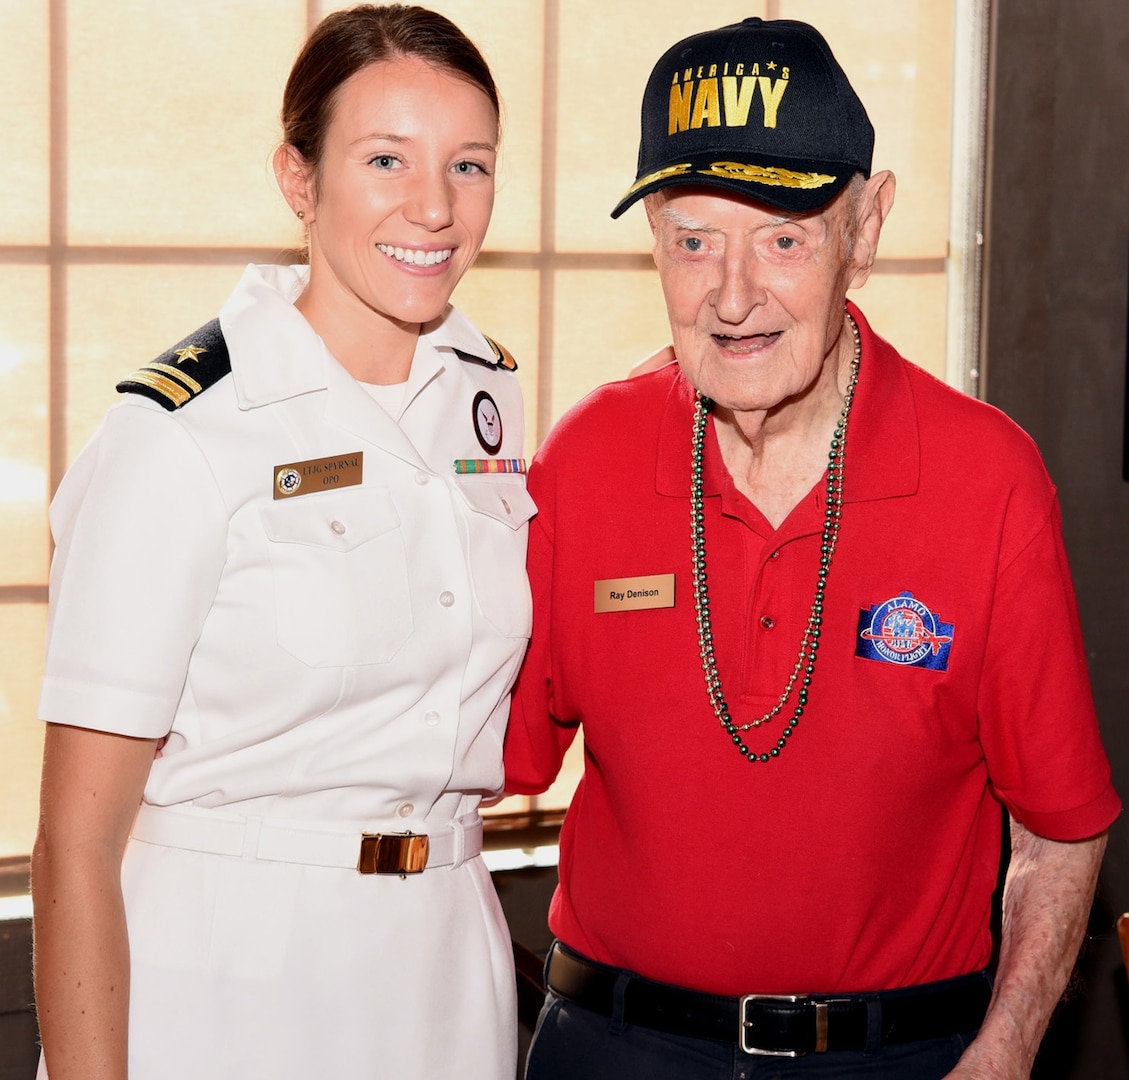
[(809, 643)]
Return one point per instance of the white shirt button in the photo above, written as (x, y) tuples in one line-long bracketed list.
[(338, 527), (422, 478), (507, 506), (405, 809), (446, 598), (432, 718)]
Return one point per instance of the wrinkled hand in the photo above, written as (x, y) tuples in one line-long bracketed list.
[(656, 360)]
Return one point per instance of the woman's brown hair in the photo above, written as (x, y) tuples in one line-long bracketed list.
[(346, 41)]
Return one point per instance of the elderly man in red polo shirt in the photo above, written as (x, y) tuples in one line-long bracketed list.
[(812, 611)]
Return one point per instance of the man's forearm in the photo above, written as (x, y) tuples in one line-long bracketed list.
[(1047, 897)]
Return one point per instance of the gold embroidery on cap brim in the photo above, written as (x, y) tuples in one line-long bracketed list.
[(757, 174), (661, 174)]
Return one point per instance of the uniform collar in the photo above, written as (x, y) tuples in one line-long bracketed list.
[(276, 354), (883, 438)]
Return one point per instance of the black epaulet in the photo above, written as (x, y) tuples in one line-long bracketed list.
[(501, 357), (185, 371)]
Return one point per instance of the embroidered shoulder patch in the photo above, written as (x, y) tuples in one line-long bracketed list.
[(184, 372), (904, 631), (500, 356)]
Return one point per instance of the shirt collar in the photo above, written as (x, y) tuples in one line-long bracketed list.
[(883, 439)]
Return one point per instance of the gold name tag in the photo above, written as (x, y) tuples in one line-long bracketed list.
[(635, 593), (320, 474)]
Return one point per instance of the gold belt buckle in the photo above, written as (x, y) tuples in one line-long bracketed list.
[(393, 853)]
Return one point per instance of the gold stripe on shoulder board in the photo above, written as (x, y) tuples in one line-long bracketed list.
[(176, 373), (170, 389)]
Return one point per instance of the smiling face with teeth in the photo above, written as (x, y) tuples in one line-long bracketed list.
[(755, 295), (397, 207)]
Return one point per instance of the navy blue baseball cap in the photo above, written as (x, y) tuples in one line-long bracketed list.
[(761, 108)]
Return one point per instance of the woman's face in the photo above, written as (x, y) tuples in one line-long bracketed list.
[(403, 193)]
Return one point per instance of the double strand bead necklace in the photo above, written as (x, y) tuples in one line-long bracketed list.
[(809, 643)]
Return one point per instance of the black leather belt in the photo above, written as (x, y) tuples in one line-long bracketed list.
[(788, 1025)]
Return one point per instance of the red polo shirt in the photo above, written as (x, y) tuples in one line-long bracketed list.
[(950, 678)]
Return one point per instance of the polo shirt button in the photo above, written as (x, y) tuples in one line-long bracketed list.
[(775, 555), (767, 622), (432, 718), (447, 599), (405, 809), (338, 527), (422, 478)]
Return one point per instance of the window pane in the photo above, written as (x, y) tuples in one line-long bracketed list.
[(24, 104), (23, 425), (606, 320), (908, 310), (23, 628), (172, 116)]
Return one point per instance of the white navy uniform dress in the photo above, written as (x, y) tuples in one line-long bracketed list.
[(328, 658)]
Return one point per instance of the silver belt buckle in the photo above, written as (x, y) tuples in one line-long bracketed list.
[(744, 1025)]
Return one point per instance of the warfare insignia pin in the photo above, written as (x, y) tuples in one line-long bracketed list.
[(487, 422), (904, 631)]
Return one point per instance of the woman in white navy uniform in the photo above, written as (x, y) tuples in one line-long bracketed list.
[(292, 559)]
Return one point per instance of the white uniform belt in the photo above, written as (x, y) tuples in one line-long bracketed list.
[(250, 837)]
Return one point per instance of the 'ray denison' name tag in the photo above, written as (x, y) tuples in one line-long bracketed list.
[(635, 593)]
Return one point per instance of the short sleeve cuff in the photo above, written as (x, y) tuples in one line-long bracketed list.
[(102, 708), (1078, 823)]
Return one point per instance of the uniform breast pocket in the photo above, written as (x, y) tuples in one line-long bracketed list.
[(501, 509), (340, 577)]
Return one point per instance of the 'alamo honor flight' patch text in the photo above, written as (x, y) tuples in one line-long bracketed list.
[(184, 371), (903, 631)]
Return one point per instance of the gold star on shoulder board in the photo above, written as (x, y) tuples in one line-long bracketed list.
[(191, 353)]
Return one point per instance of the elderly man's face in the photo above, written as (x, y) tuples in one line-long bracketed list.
[(755, 295)]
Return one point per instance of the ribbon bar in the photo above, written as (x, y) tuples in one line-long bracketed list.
[(489, 465)]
